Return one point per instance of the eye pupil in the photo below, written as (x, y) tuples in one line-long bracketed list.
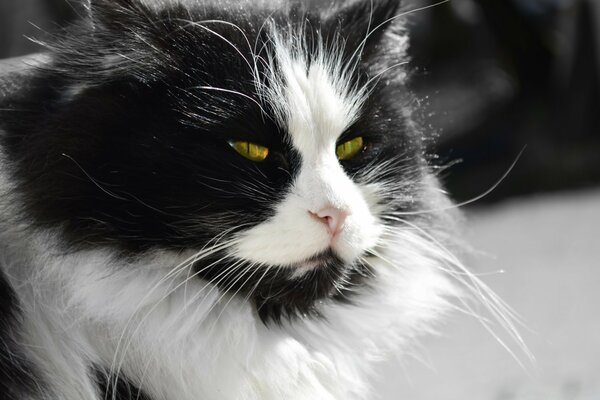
[(350, 149), (251, 151)]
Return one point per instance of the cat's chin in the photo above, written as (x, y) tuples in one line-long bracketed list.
[(292, 291)]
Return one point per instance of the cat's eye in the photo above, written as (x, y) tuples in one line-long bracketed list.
[(251, 151), (350, 149)]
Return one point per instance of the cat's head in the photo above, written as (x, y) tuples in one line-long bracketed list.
[(275, 141)]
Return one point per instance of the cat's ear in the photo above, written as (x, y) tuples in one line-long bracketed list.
[(362, 22)]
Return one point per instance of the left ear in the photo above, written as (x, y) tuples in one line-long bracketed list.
[(359, 21)]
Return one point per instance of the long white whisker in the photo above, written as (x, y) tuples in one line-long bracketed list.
[(199, 25), (217, 89), (503, 313), (474, 199), (232, 296), (214, 282)]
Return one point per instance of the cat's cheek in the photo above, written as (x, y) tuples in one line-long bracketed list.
[(360, 233), (371, 194)]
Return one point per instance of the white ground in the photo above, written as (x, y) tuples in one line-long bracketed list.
[(549, 248)]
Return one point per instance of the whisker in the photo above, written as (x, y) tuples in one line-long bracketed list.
[(215, 281), (232, 296), (474, 199), (503, 313), (232, 92), (199, 25)]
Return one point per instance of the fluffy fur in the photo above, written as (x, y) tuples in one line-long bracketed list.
[(143, 258)]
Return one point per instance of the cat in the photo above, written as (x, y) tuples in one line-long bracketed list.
[(217, 200)]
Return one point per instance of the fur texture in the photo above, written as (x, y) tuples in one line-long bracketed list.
[(144, 257)]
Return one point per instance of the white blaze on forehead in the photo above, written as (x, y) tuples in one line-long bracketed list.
[(317, 112), (313, 95)]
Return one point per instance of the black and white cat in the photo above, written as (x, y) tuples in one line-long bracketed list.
[(216, 200)]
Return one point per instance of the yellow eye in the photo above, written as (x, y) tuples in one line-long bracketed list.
[(251, 151), (350, 149)]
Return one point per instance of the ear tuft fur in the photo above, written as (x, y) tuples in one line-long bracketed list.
[(363, 24), (361, 17)]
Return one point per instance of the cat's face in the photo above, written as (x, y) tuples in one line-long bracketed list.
[(278, 139)]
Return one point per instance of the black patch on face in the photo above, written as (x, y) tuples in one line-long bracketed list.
[(279, 294), (18, 378), (117, 389)]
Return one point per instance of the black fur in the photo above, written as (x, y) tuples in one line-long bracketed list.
[(117, 389), (115, 142)]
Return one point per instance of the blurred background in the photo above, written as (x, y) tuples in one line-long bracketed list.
[(494, 79)]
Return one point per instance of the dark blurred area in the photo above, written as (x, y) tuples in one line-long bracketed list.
[(22, 19), (499, 76), (493, 77)]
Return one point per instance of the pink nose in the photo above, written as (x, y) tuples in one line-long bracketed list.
[(332, 217)]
